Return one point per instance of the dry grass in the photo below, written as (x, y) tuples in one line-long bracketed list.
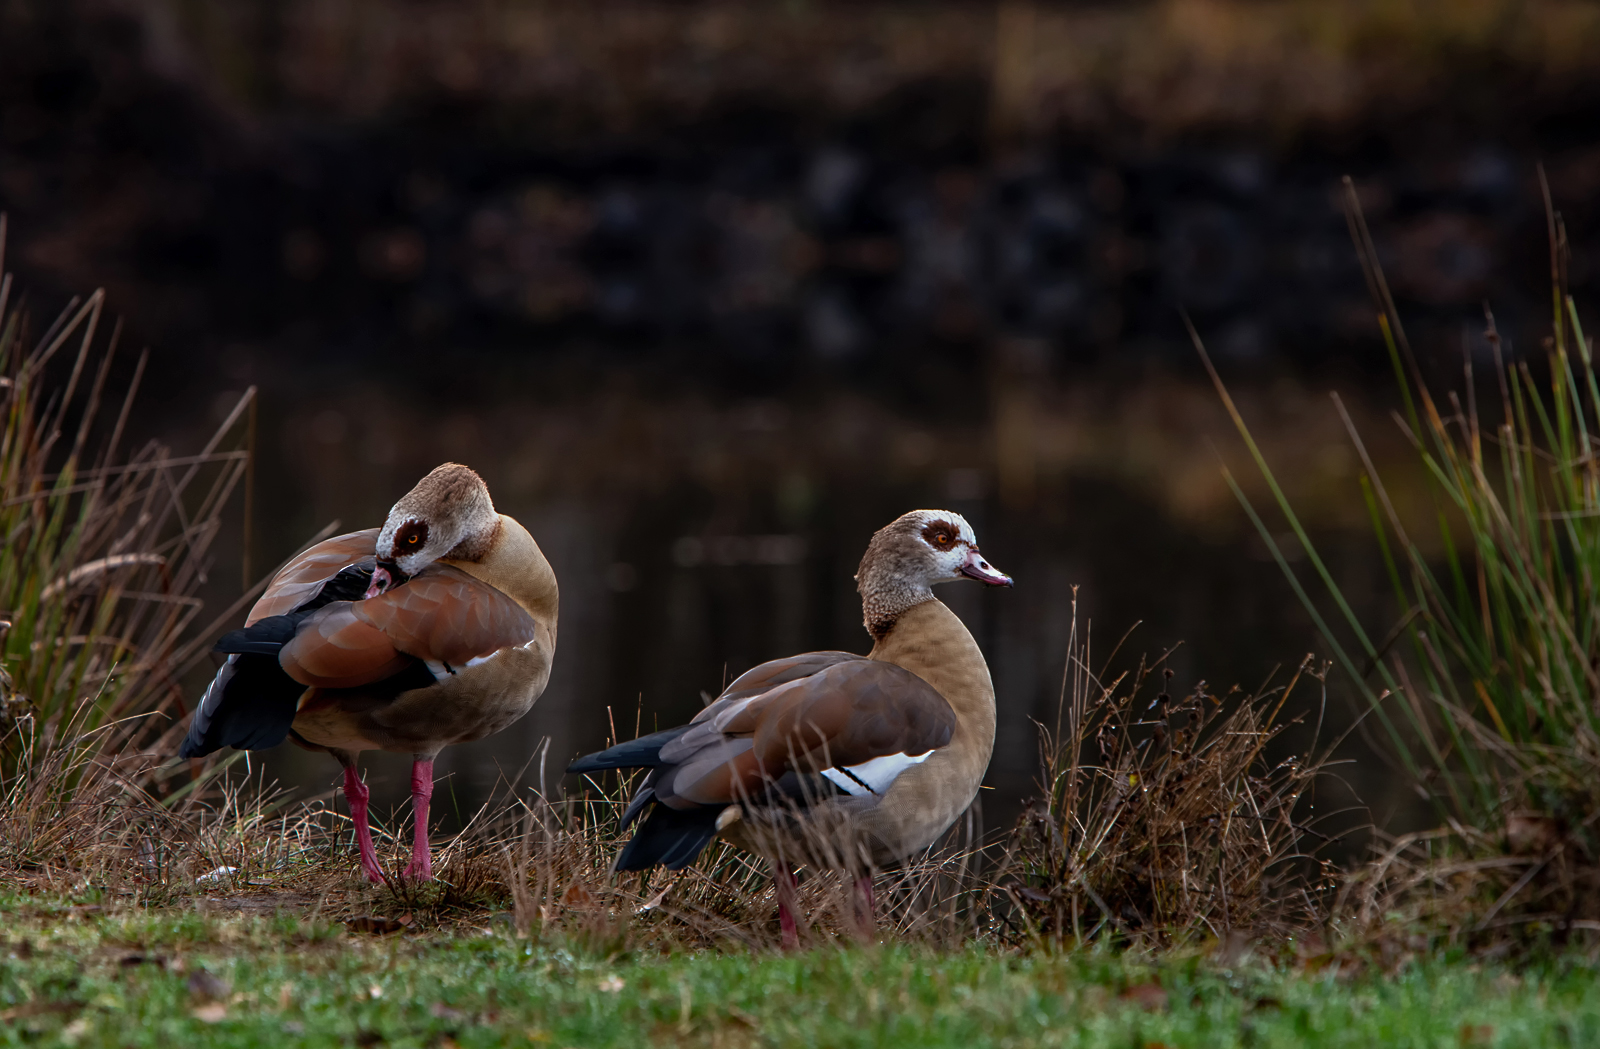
[(1492, 894), (1164, 819), (542, 865), (1167, 840), (103, 554)]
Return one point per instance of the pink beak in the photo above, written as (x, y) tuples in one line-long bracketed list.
[(381, 581), (975, 567)]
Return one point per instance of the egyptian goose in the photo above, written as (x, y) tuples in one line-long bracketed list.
[(437, 628), (889, 747)]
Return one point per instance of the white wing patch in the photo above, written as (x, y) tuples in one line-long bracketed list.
[(441, 670), (875, 776)]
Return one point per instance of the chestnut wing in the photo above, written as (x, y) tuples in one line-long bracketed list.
[(442, 616), (857, 723), (767, 676), (301, 579)]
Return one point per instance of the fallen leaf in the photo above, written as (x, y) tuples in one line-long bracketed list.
[(75, 1030), (1476, 1034), (374, 992), (612, 984), (211, 1013), (577, 896), (285, 995), (374, 924), (1147, 996)]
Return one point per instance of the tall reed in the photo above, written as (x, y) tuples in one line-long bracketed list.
[(1487, 685), (105, 550)]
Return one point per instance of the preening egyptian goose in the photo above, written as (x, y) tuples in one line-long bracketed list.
[(889, 747), (437, 628)]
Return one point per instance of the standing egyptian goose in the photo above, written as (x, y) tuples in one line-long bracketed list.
[(890, 746), (437, 628)]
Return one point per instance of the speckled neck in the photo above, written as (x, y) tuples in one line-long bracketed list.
[(885, 596)]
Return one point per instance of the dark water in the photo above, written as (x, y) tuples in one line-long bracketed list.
[(703, 365)]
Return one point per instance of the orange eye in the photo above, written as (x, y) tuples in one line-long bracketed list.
[(943, 539), (413, 539)]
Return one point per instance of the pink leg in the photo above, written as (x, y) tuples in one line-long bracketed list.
[(783, 877), (357, 792), (421, 868), (865, 907)]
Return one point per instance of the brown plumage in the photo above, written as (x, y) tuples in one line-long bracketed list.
[(831, 758), (802, 716), (437, 628)]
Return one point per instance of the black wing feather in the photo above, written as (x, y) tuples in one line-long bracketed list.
[(670, 838), (250, 705)]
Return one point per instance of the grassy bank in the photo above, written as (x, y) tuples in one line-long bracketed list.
[(97, 974)]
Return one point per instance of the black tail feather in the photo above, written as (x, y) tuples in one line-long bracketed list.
[(641, 753), (250, 705), (666, 837), (671, 838)]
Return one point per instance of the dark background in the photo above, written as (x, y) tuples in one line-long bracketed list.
[(709, 291)]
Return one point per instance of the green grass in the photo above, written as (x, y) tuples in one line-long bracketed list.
[(128, 978)]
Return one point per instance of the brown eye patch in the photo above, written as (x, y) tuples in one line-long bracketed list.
[(410, 537), (941, 535)]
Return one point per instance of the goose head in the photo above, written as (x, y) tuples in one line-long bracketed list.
[(912, 554), (448, 514)]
